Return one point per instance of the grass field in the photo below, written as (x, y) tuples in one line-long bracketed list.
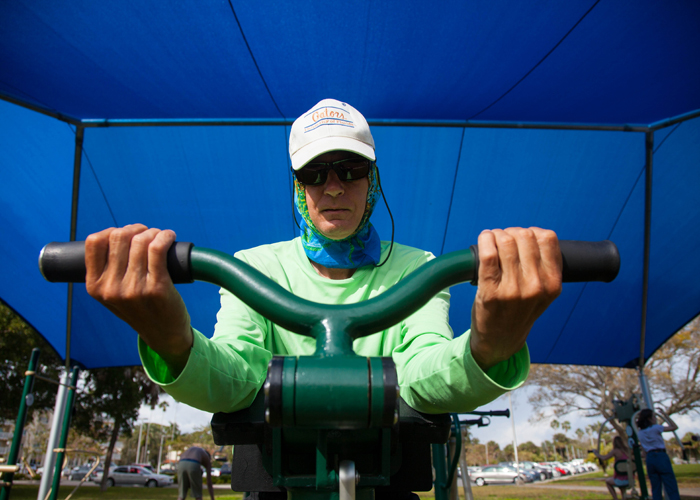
[(688, 476), (29, 492)]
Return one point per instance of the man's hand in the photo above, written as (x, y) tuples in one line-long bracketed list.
[(519, 277), (127, 273)]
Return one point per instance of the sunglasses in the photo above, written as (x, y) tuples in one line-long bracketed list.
[(349, 169)]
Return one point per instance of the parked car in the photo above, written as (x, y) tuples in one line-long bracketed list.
[(541, 471), (130, 475), (549, 467), (525, 468), (146, 466), (498, 474), (77, 473)]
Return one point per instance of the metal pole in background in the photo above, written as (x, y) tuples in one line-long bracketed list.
[(138, 446), (515, 441), (50, 457), (26, 401), (160, 451), (466, 480), (440, 466), (61, 449), (452, 447), (649, 150), (145, 458)]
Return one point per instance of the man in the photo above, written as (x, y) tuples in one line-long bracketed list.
[(189, 473), (337, 259)]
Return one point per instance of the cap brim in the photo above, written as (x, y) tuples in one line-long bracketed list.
[(321, 146)]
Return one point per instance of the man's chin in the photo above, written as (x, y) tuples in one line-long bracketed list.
[(337, 233)]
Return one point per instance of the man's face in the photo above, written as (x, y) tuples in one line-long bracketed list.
[(336, 207)]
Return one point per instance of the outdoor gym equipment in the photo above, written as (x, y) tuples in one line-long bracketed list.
[(331, 425), (447, 488)]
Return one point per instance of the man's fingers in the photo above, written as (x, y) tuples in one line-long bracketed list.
[(551, 260), (96, 248), (139, 254), (508, 261), (119, 248), (529, 260), (489, 269), (158, 253)]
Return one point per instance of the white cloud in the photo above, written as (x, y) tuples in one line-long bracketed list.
[(187, 418), (500, 429)]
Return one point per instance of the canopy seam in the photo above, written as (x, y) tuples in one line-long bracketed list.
[(97, 180), (612, 230), (255, 62), (452, 195), (540, 62)]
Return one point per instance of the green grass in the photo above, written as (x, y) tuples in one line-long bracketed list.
[(507, 492), (29, 492), (688, 475)]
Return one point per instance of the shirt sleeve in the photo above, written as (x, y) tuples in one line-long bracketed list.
[(222, 374), (438, 374)]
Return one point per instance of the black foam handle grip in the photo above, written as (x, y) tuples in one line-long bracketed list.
[(65, 262), (581, 261), (499, 413)]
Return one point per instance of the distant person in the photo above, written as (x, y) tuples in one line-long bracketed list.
[(659, 468), (189, 473), (620, 477)]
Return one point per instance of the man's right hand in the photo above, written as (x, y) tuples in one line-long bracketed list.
[(127, 272)]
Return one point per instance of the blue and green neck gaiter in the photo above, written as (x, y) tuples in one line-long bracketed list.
[(361, 248)]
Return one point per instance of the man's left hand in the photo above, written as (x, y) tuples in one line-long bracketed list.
[(519, 277)]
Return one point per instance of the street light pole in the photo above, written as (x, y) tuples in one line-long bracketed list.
[(515, 441)]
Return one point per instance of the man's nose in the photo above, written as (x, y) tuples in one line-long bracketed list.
[(334, 186)]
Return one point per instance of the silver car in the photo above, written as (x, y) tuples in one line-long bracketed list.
[(134, 475), (497, 474)]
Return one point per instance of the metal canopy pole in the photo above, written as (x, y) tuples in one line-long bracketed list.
[(649, 145), (59, 408), (77, 159)]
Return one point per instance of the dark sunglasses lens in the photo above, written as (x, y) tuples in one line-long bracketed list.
[(311, 175), (355, 170), (314, 174)]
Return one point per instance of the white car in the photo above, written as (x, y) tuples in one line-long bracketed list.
[(130, 475)]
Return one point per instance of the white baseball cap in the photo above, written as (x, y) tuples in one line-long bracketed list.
[(329, 126)]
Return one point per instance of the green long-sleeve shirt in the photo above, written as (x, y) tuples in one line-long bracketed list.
[(436, 372)]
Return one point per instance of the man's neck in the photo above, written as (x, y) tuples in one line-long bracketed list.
[(332, 273)]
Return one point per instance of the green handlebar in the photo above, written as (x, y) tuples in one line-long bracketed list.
[(318, 320), (582, 261)]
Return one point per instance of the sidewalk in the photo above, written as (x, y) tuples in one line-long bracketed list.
[(686, 493)]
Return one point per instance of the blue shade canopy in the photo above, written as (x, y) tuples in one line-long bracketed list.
[(485, 114)]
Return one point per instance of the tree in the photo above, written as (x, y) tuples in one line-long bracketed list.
[(17, 339), (673, 374), (560, 441), (529, 452), (109, 404), (566, 426)]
